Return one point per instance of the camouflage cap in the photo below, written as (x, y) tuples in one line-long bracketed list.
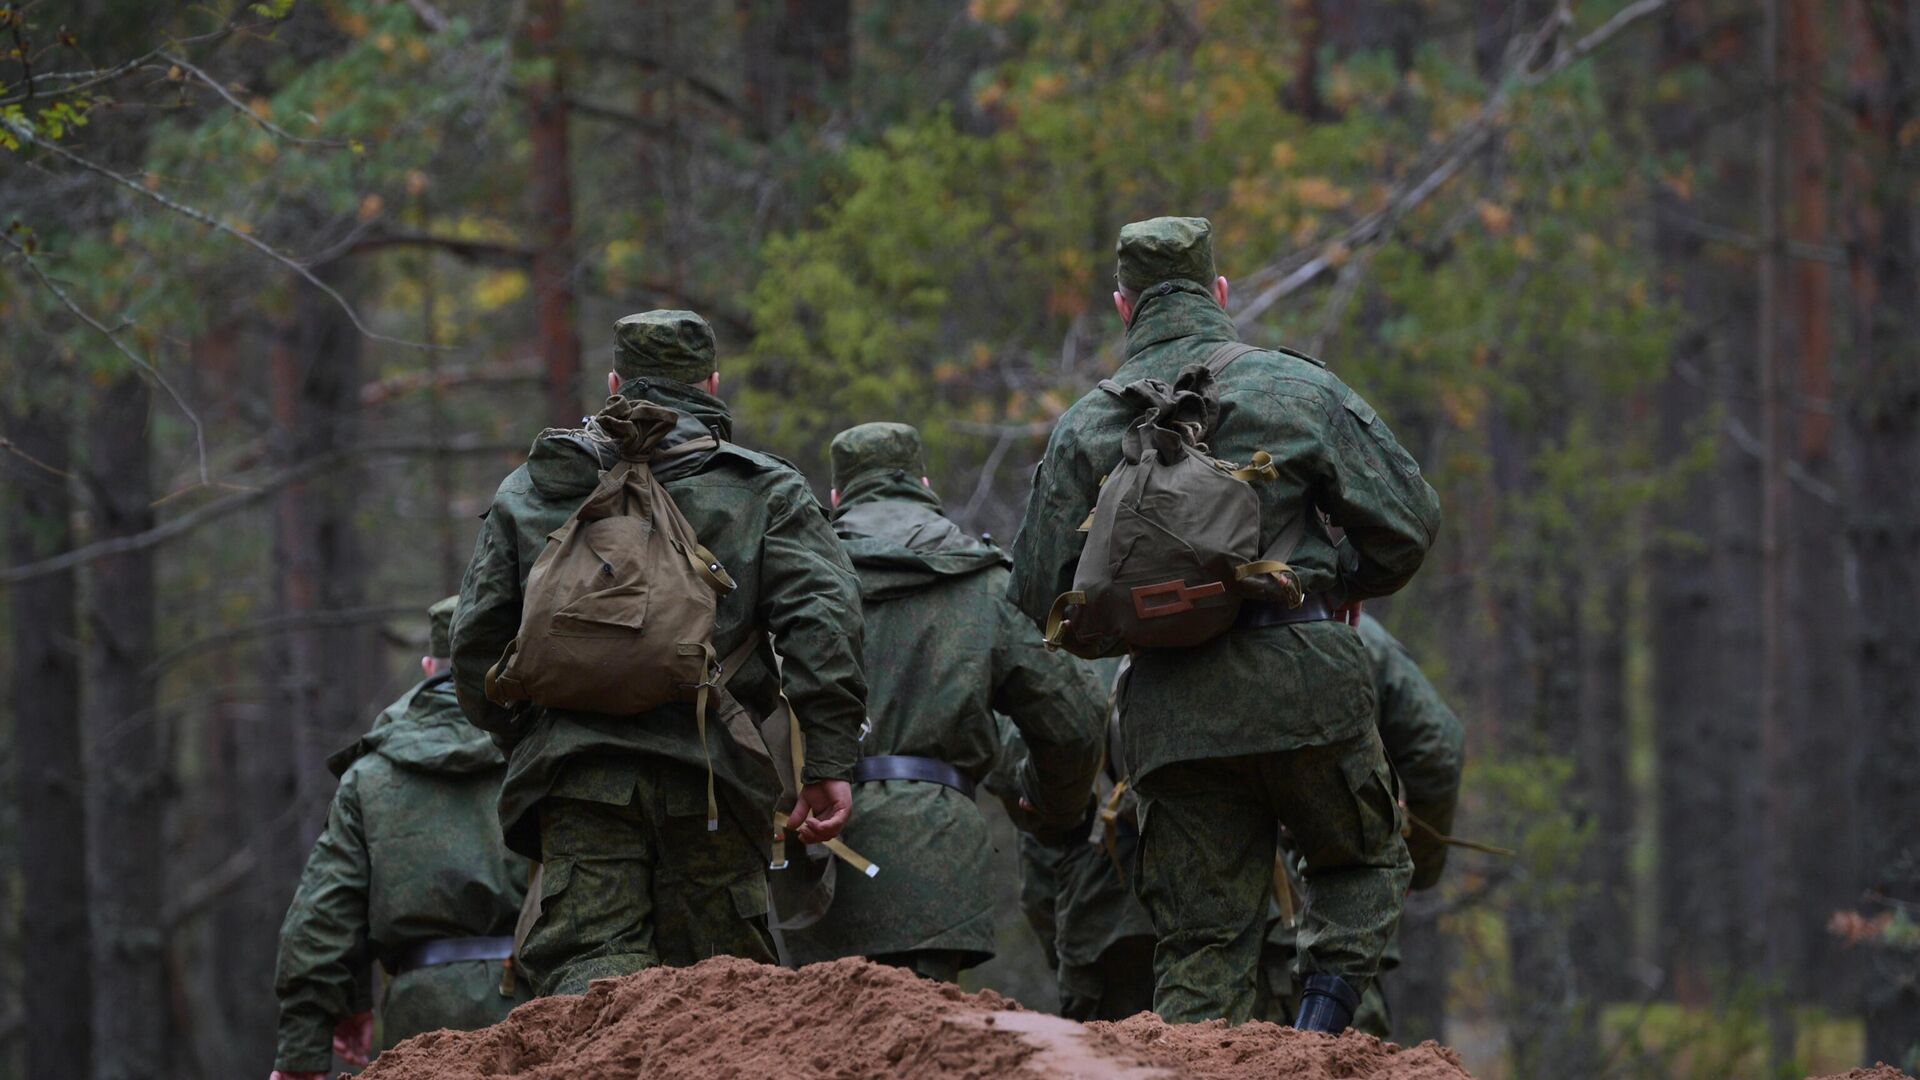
[(1165, 248), (440, 637), (876, 446), (663, 344)]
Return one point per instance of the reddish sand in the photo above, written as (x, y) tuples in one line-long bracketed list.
[(852, 1019)]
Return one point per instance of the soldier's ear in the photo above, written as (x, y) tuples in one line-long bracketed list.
[(1220, 291), (833, 498), (613, 384), (712, 385), (1125, 309)]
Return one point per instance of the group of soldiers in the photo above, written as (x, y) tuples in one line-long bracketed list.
[(1222, 830)]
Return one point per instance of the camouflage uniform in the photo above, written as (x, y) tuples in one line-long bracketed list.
[(1264, 725), (615, 806), (411, 853), (1427, 746), (1093, 915), (947, 651)]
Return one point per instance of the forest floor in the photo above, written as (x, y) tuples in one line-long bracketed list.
[(853, 1019)]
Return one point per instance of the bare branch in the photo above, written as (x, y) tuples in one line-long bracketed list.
[(304, 620), (7, 445), (432, 17), (240, 500), (1291, 274), (217, 225), (206, 888), (240, 107), (153, 372)]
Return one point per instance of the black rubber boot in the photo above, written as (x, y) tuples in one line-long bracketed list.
[(1326, 1004)]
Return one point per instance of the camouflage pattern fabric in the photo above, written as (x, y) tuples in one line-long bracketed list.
[(878, 447), (1207, 837), (1251, 707), (947, 652), (760, 519), (664, 345), (411, 853), (631, 886), (1426, 743), (1165, 249)]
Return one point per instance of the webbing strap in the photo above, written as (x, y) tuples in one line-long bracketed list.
[(851, 857), (1224, 356), (1281, 572), (1261, 468), (704, 442), (709, 569), (1057, 617), (707, 685), (1110, 827)]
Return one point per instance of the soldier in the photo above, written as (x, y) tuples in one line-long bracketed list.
[(1099, 929), (633, 875), (946, 650), (410, 871), (1427, 747), (1273, 721)]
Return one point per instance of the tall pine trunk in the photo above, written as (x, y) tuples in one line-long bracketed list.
[(125, 753), (44, 704), (1882, 429), (551, 185)]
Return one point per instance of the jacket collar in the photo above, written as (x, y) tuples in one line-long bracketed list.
[(710, 411), (1185, 310)]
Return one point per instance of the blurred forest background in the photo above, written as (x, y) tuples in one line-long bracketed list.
[(286, 287)]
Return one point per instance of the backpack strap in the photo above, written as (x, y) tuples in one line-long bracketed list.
[(1223, 357), (1275, 560)]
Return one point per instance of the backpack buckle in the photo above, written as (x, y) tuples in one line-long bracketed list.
[(1184, 595)]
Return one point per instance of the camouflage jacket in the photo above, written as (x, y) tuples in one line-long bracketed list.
[(411, 852), (947, 652), (759, 518), (1247, 691), (1424, 741)]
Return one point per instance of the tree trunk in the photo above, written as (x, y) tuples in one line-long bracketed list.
[(49, 782), (128, 768), (1882, 430), (552, 191), (799, 59)]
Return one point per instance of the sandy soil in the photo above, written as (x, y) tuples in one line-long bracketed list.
[(852, 1019)]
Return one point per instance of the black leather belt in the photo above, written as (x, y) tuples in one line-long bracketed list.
[(454, 951), (908, 767), (1258, 613)]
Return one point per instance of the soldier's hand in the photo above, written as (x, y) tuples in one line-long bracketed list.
[(353, 1038), (1349, 614), (822, 811), (279, 1075)]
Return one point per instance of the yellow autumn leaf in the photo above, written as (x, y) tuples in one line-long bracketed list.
[(498, 289), (370, 207), (1493, 217)]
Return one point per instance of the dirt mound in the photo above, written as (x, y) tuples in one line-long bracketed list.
[(1261, 1051), (1881, 1071), (851, 1019)]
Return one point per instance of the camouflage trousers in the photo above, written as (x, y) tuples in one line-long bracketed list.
[(463, 996), (1208, 831), (640, 882)]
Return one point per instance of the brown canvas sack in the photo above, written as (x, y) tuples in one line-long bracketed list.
[(619, 608), (1173, 543)]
